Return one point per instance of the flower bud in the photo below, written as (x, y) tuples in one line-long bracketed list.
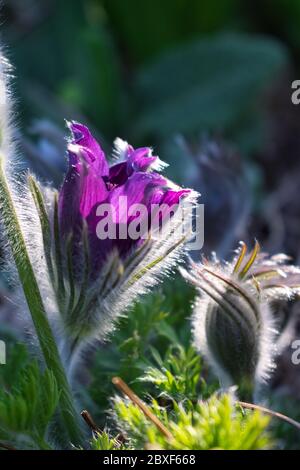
[(97, 273), (232, 324)]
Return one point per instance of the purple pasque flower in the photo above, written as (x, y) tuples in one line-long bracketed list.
[(90, 183), (101, 276)]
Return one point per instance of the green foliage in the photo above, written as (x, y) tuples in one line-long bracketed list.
[(212, 87), (178, 376), (151, 326), (283, 17), (28, 401), (17, 359), (214, 424), (81, 72), (145, 28), (199, 78), (179, 384), (174, 375), (103, 441)]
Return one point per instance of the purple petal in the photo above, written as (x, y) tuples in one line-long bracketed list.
[(84, 185), (172, 197), (79, 194), (118, 174), (139, 160), (84, 145), (165, 202), (138, 189)]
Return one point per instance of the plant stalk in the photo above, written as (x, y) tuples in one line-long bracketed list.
[(37, 309)]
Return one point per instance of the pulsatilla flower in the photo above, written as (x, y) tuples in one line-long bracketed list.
[(232, 320), (101, 244)]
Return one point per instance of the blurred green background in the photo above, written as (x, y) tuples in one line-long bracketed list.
[(147, 70)]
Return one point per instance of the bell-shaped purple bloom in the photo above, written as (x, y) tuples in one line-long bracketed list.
[(91, 183), (96, 275)]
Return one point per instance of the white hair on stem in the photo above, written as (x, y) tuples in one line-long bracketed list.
[(23, 204), (6, 126)]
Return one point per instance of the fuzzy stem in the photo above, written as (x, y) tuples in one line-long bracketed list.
[(36, 307), (246, 389)]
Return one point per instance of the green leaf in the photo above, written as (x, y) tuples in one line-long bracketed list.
[(177, 376), (209, 84), (28, 405), (44, 219)]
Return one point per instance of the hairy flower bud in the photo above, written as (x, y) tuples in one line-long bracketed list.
[(232, 323), (102, 245)]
